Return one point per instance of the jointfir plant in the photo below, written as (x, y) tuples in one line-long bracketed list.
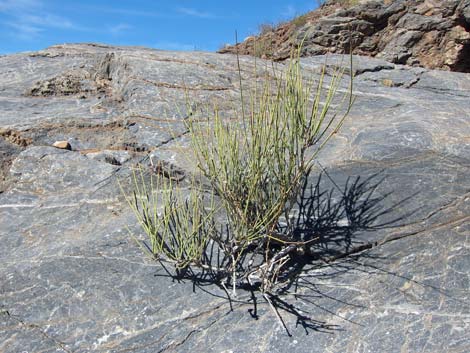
[(255, 167)]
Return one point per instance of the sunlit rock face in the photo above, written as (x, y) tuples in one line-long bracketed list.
[(73, 280), (431, 34)]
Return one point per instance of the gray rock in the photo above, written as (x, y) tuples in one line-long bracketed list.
[(464, 9), (73, 279)]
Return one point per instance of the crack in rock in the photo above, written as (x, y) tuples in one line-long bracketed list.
[(60, 345)]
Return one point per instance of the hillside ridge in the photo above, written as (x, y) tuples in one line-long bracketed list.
[(427, 33)]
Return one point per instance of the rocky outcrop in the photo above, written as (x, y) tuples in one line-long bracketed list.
[(394, 275), (427, 33)]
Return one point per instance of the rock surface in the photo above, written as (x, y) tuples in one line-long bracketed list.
[(73, 280), (431, 34)]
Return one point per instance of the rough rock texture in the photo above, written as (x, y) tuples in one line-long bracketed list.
[(427, 33), (73, 280)]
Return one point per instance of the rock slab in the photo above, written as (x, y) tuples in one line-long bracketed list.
[(73, 280)]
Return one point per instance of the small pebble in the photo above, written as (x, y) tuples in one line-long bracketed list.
[(62, 144)]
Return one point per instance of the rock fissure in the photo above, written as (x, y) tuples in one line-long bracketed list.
[(60, 345), (182, 86), (398, 236)]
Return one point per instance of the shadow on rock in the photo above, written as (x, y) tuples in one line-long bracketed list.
[(328, 221)]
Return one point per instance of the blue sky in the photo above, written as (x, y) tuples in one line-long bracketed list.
[(166, 24)]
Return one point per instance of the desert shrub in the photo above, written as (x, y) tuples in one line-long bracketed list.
[(300, 21), (265, 28), (342, 2), (349, 2), (234, 222), (263, 47), (177, 224)]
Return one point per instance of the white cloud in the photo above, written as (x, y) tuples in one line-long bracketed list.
[(28, 18), (195, 13), (119, 28), (19, 5), (24, 31), (46, 20), (125, 12), (289, 11)]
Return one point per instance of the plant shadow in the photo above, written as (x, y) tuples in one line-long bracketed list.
[(328, 220)]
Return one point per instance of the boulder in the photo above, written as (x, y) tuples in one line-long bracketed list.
[(431, 34)]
